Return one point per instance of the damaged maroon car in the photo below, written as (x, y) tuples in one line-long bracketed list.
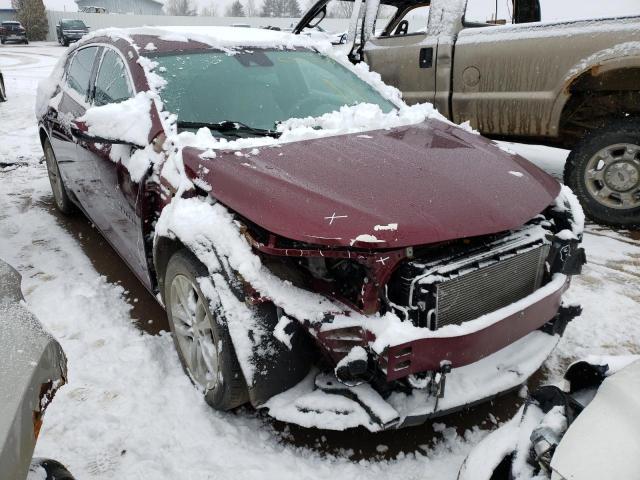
[(365, 264)]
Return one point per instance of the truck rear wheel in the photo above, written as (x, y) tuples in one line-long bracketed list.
[(603, 170)]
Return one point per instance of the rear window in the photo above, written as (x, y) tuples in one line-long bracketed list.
[(11, 25), (74, 24)]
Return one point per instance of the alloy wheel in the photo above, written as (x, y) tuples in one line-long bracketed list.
[(612, 176), (193, 329)]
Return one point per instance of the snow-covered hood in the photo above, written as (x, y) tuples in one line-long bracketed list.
[(399, 187)]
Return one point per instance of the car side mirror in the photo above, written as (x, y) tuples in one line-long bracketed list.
[(80, 131), (122, 123)]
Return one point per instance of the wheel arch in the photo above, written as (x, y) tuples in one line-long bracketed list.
[(280, 367), (163, 249), (596, 90)]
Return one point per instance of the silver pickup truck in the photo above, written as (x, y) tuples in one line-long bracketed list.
[(574, 84)]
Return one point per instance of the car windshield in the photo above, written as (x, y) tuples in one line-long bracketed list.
[(11, 25), (260, 88), (79, 24)]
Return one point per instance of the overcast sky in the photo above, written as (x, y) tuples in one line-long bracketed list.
[(551, 9)]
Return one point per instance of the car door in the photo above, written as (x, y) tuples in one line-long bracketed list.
[(402, 52), (115, 203), (71, 103)]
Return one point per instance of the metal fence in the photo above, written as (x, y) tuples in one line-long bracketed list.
[(97, 21)]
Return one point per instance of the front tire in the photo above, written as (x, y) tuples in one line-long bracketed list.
[(3, 92), (603, 170), (60, 196), (201, 335)]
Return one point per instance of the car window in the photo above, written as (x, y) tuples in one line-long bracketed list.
[(112, 81), (79, 72)]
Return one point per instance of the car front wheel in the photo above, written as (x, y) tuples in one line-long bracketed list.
[(201, 335), (603, 170), (60, 196)]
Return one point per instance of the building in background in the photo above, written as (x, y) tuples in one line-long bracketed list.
[(6, 11), (132, 7)]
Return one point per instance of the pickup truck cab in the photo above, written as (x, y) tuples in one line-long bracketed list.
[(70, 30), (574, 85), (13, 31)]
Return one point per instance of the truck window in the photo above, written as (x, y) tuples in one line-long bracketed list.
[(483, 13), (411, 21)]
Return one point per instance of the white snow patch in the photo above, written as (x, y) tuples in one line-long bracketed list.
[(280, 331), (389, 227), (128, 121), (366, 238)]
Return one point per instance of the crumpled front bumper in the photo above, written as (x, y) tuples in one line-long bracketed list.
[(321, 401), (484, 336), (495, 354)]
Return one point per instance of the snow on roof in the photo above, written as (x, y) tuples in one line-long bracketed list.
[(5, 5), (217, 37)]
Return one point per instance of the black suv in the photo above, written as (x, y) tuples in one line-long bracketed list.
[(69, 31)]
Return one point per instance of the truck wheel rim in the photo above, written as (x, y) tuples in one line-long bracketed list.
[(612, 176), (193, 330), (54, 176)]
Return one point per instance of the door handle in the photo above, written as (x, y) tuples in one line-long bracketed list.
[(426, 57)]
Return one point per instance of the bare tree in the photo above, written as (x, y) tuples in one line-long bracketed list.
[(281, 8), (180, 8), (340, 9), (209, 11), (250, 8), (33, 16)]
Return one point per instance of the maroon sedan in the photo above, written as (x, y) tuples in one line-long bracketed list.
[(338, 273)]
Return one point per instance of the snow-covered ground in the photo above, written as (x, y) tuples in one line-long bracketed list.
[(129, 411)]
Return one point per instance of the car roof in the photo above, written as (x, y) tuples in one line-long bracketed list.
[(172, 38)]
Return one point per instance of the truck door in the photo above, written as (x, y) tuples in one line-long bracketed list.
[(402, 52), (506, 72)]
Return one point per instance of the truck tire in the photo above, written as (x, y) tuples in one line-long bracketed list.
[(200, 335), (3, 92), (603, 170), (2, 40)]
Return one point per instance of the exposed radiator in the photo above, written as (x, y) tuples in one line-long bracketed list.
[(486, 289)]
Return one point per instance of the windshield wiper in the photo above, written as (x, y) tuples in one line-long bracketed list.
[(231, 127)]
